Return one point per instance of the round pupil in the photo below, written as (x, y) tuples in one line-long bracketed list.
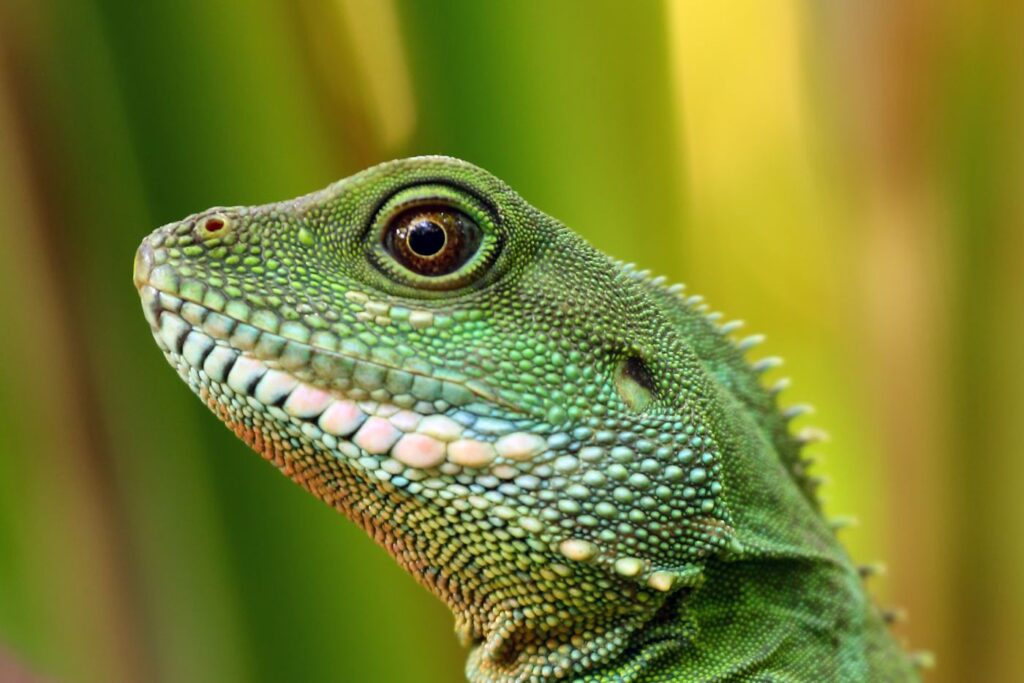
[(426, 238), (432, 241)]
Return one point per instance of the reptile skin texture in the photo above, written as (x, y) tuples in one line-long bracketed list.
[(576, 458)]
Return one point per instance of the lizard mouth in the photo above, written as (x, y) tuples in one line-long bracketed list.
[(339, 400)]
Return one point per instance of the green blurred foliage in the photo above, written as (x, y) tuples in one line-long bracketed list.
[(847, 178)]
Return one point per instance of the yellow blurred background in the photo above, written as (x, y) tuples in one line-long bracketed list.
[(848, 177)]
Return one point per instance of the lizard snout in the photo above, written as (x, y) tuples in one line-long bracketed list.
[(143, 264)]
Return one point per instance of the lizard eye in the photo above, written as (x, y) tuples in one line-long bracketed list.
[(432, 241), (432, 238)]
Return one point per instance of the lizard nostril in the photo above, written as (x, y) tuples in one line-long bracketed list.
[(213, 226)]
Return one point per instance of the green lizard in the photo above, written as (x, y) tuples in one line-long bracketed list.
[(576, 458)]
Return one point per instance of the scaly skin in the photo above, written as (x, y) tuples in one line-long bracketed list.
[(575, 458)]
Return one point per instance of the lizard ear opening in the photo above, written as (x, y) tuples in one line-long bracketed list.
[(634, 383)]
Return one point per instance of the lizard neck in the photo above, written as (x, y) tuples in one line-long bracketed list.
[(778, 618)]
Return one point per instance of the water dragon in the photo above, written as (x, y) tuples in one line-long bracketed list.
[(575, 457)]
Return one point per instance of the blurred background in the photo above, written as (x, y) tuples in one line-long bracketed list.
[(846, 177)]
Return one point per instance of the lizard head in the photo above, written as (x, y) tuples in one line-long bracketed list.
[(524, 423)]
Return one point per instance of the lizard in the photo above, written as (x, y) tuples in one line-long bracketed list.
[(575, 457)]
